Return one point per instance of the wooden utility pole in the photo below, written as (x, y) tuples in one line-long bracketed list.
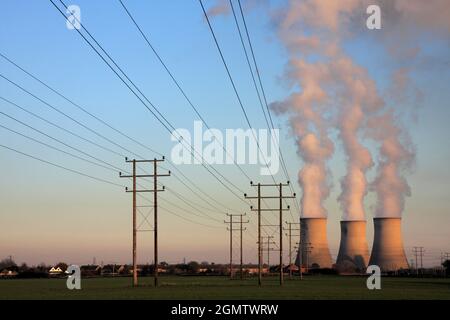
[(281, 233), (297, 248), (280, 209), (418, 251), (241, 244), (266, 246), (240, 229), (155, 212), (258, 209), (259, 237), (135, 275), (307, 248), (444, 257), (289, 234), (155, 191)]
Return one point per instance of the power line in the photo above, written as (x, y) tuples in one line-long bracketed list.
[(192, 151), (201, 191), (141, 100), (57, 140), (155, 175), (225, 65), (256, 88), (290, 235), (248, 61), (418, 252), (60, 127), (103, 122), (190, 212), (65, 114), (258, 94), (193, 205), (78, 106), (167, 123), (283, 163), (269, 242), (180, 216), (176, 82), (81, 173), (280, 197), (161, 61), (166, 126), (189, 220), (109, 167), (61, 167), (240, 229), (55, 148), (231, 79), (185, 200), (233, 84)]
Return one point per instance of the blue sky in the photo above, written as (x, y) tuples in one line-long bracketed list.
[(64, 216)]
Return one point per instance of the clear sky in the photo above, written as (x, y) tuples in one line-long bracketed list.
[(50, 215)]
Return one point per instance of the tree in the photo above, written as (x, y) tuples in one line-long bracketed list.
[(62, 265), (7, 263), (24, 267), (182, 267), (446, 265), (42, 267), (193, 267)]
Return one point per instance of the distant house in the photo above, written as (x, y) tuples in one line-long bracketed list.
[(254, 269), (138, 269), (54, 271), (5, 273), (162, 270)]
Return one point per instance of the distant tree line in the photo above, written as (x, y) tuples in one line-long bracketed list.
[(9, 267)]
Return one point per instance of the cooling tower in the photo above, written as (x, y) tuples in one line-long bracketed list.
[(353, 251), (313, 243), (387, 249)]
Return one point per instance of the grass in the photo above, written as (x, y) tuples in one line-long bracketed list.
[(198, 287)]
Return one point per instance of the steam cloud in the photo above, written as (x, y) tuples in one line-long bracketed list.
[(306, 111), (332, 92), (332, 85)]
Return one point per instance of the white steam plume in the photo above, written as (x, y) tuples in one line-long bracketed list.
[(336, 93), (332, 84)]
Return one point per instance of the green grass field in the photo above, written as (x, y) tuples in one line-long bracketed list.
[(197, 287)]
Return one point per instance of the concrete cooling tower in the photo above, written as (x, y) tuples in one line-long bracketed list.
[(313, 248), (387, 249), (353, 251)]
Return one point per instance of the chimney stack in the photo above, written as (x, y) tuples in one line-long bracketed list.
[(313, 248), (353, 250), (387, 249)]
